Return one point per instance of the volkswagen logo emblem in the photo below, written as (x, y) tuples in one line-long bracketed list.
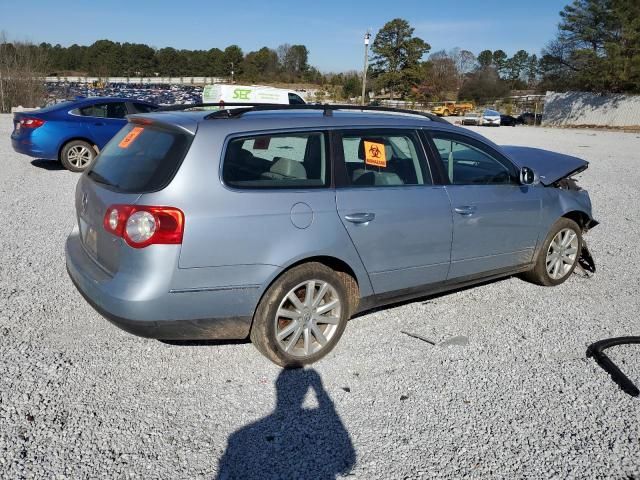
[(85, 202)]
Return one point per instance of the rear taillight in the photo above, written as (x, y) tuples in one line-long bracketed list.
[(31, 122), (141, 225)]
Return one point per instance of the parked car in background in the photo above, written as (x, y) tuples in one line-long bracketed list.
[(249, 93), (452, 108), (508, 121), (313, 218), (529, 118), (471, 118), (490, 118), (73, 132)]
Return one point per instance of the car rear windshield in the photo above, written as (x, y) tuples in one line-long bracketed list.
[(141, 158)]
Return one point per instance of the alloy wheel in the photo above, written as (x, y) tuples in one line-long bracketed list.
[(307, 318), (79, 156), (562, 253)]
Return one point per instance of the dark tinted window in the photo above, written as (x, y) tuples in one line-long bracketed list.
[(384, 159), (295, 99), (292, 160), (468, 163), (105, 110), (143, 108), (140, 158)]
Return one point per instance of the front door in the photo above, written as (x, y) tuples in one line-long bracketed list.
[(495, 219), (398, 220)]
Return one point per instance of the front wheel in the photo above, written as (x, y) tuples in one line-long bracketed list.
[(77, 155), (301, 316), (559, 254)]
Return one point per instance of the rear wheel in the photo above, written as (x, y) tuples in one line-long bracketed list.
[(301, 316), (77, 155), (559, 254)]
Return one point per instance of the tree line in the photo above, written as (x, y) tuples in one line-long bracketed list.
[(287, 63), (597, 48)]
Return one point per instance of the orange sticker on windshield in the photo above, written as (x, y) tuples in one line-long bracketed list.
[(130, 137), (375, 154)]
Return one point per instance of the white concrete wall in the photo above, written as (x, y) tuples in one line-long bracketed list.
[(583, 108)]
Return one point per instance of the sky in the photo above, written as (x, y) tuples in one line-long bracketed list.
[(332, 30)]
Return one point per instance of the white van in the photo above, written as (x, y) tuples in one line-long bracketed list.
[(249, 94)]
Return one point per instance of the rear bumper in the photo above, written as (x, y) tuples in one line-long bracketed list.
[(27, 146), (167, 316)]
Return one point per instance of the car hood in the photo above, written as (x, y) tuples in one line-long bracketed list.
[(550, 166)]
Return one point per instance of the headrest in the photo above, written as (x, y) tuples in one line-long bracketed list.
[(287, 168)]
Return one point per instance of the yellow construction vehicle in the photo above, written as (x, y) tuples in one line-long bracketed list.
[(452, 108)]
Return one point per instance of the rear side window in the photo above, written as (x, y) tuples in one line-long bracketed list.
[(292, 160), (105, 110), (295, 99), (140, 158), (384, 159)]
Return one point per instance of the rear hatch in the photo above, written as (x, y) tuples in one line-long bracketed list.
[(143, 157)]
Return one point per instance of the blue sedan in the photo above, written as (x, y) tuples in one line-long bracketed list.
[(73, 132)]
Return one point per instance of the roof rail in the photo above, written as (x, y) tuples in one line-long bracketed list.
[(328, 109)]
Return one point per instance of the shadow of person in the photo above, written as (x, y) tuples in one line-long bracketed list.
[(292, 442)]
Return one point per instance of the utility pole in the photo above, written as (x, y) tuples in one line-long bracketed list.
[(367, 36), (231, 73)]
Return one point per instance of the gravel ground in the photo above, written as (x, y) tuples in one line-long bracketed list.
[(80, 398)]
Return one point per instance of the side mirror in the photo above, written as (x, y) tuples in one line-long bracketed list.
[(528, 176)]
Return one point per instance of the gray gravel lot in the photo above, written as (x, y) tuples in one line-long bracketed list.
[(80, 398)]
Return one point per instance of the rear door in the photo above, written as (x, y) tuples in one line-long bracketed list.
[(495, 219), (398, 220), (104, 120)]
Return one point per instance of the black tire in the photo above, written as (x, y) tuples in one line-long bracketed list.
[(539, 273), (77, 155), (263, 331)]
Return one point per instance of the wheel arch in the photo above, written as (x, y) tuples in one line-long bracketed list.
[(352, 281), (583, 219), (73, 139)]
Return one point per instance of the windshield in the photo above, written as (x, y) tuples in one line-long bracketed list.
[(491, 113), (140, 158)]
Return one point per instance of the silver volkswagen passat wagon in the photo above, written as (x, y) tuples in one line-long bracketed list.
[(279, 223)]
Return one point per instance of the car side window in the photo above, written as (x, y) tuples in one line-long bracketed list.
[(291, 160), (384, 160), (469, 164), (295, 99), (105, 110)]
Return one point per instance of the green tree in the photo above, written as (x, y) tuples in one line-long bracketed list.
[(233, 55), (597, 47), (500, 62), (352, 85), (485, 59), (516, 67), (260, 65), (396, 56)]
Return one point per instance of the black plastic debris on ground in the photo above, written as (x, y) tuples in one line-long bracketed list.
[(596, 350)]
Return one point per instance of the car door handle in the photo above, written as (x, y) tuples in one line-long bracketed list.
[(99, 124), (360, 217), (466, 210)]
